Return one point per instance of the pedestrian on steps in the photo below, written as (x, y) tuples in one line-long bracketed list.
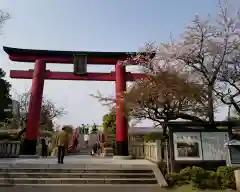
[(44, 147), (62, 143), (95, 148), (75, 143), (86, 139)]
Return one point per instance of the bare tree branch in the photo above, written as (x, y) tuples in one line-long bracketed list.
[(49, 111), (4, 16)]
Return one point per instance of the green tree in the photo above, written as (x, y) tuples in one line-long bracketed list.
[(84, 129), (109, 127), (68, 129), (109, 124), (5, 97), (94, 128)]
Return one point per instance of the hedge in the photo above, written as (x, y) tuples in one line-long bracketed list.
[(223, 178)]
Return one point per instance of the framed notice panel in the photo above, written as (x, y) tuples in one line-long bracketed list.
[(213, 145), (187, 146)]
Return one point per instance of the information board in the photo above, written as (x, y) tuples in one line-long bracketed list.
[(187, 146), (213, 145)]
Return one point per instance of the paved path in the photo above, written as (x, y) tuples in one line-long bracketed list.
[(75, 159)]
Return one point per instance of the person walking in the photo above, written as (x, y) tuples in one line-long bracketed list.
[(44, 147), (102, 141), (86, 139), (95, 148), (62, 143), (75, 143)]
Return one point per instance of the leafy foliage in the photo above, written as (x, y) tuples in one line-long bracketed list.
[(94, 128), (84, 129), (109, 128), (68, 129), (223, 178), (5, 97), (226, 175), (109, 122)]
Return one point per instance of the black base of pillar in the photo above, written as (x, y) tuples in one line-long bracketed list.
[(28, 147), (121, 148)]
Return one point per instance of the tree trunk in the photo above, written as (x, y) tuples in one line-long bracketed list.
[(210, 104), (164, 126)]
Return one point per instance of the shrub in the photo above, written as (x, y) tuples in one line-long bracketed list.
[(223, 178), (198, 174), (206, 180), (175, 179), (182, 178), (226, 177), (186, 174)]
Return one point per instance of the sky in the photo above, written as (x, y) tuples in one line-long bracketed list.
[(91, 25)]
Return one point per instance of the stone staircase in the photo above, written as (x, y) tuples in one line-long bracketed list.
[(76, 176), (81, 151)]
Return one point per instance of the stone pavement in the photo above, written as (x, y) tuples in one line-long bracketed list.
[(77, 161)]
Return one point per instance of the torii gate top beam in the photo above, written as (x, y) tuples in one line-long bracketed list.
[(31, 55)]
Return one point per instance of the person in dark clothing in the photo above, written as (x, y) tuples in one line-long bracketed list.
[(44, 147), (95, 148), (114, 148), (75, 143)]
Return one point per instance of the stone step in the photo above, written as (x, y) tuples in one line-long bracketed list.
[(84, 152), (32, 181), (75, 170), (77, 187), (74, 175)]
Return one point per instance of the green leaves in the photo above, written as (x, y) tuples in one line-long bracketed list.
[(109, 122), (5, 97)]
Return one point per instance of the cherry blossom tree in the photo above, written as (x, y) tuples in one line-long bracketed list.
[(189, 77), (209, 50), (165, 96)]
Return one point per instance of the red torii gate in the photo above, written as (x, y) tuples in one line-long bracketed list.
[(39, 74)]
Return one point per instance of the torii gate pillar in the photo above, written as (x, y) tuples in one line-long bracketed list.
[(32, 131), (121, 120)]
